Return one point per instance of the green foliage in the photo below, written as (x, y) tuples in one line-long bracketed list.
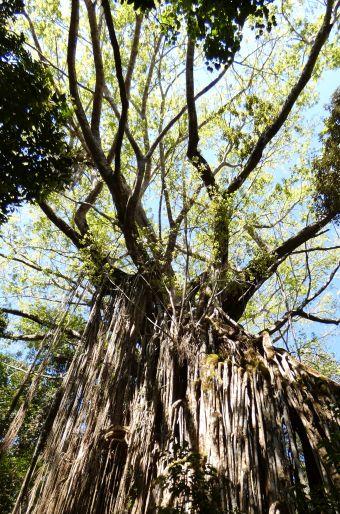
[(314, 354), (327, 166), (13, 468), (192, 482), (260, 265), (217, 24), (223, 209), (313, 503), (14, 464), (34, 157)]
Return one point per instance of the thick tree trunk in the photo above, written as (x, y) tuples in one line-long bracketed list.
[(194, 417)]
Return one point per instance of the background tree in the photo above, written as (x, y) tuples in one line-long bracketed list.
[(189, 235), (34, 156)]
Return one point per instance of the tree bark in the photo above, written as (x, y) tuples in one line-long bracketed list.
[(154, 412)]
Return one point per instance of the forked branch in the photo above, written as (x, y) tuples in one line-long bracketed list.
[(193, 153), (99, 67), (299, 311), (274, 128), (121, 84)]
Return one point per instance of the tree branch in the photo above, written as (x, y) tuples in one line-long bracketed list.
[(134, 53), (116, 183), (16, 368), (22, 337), (92, 144), (121, 84), (131, 139), (316, 249), (61, 224), (36, 319), (301, 313), (312, 317), (181, 112), (301, 237), (83, 209), (239, 291), (273, 129), (193, 153), (99, 68)]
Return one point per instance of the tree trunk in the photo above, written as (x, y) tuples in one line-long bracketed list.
[(169, 416)]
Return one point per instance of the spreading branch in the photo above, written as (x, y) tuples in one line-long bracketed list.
[(45, 323), (61, 224), (274, 128), (83, 209), (99, 69), (238, 292), (299, 311), (193, 153)]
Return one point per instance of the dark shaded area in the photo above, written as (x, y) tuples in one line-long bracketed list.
[(34, 157)]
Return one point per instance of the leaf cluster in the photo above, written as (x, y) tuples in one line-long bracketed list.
[(327, 166), (14, 464), (192, 480), (217, 24), (34, 156)]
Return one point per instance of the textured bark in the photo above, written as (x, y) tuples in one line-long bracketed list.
[(143, 386)]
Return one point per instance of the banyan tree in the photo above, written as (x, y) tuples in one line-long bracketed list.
[(200, 222)]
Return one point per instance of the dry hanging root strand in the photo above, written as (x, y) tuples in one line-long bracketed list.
[(15, 417), (149, 417)]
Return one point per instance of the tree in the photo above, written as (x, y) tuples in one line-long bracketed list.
[(34, 156), (189, 250)]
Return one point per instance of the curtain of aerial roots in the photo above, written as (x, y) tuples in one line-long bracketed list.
[(140, 387)]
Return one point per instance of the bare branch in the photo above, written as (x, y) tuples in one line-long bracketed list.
[(301, 313), (40, 321), (134, 53), (22, 337), (34, 266), (181, 112), (307, 233), (238, 292), (22, 261), (34, 35), (121, 84), (90, 141), (273, 129), (312, 317), (61, 224), (23, 370), (149, 77), (316, 249), (193, 153), (83, 209), (99, 67), (164, 185), (177, 224), (130, 137)]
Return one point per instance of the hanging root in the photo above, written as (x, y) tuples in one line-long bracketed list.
[(148, 421)]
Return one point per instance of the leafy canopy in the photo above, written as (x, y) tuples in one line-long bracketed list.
[(326, 167), (217, 23), (34, 156)]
